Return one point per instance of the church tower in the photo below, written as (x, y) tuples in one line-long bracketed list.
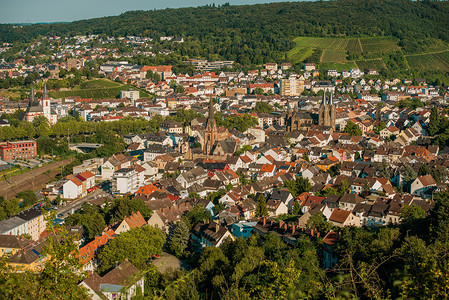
[(211, 132), (326, 113), (46, 103)]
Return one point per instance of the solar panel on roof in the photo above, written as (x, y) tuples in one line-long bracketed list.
[(35, 252)]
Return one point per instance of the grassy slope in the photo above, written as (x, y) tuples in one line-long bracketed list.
[(335, 51)]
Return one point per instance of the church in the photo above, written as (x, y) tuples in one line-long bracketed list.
[(326, 113), (301, 120), (40, 107)]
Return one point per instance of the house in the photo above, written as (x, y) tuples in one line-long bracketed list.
[(34, 221), (78, 185), (133, 221), (10, 244), (122, 282), (114, 163), (29, 258), (349, 201), (128, 180), (341, 218), (422, 185), (208, 235), (197, 175), (87, 254), (243, 229), (276, 207), (283, 195)]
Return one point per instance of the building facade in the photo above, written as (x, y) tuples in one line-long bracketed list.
[(18, 150)]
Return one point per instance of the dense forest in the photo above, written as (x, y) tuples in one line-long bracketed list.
[(262, 33)]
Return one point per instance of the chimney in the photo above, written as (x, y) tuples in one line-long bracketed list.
[(293, 229), (264, 221), (217, 227)]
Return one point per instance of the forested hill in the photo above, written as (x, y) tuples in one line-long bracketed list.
[(264, 30)]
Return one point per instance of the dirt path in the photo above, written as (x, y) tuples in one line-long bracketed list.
[(38, 177)]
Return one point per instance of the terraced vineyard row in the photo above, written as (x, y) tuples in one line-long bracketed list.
[(377, 64), (429, 62)]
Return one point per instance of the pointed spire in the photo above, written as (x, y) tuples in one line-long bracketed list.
[(323, 102), (211, 109), (32, 94), (45, 93)]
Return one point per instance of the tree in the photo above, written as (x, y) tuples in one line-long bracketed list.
[(196, 214), (384, 170), (423, 170), (353, 129), (258, 91), (179, 238), (62, 271), (137, 244), (434, 122), (317, 221), (218, 208), (29, 198), (380, 127), (90, 218), (344, 188), (263, 107), (409, 174), (179, 89), (305, 156), (298, 186), (125, 206), (261, 207), (412, 212), (296, 210)]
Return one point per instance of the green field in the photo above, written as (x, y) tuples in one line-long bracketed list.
[(98, 84), (380, 44), (102, 91), (371, 64), (343, 44), (333, 56), (429, 62), (298, 54), (336, 50)]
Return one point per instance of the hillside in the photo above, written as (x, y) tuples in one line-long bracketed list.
[(367, 53), (261, 33)]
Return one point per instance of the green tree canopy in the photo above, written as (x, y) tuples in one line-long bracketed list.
[(137, 245)]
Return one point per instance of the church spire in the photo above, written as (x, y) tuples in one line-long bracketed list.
[(32, 94), (323, 102), (45, 93), (211, 109)]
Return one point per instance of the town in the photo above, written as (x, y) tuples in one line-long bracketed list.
[(181, 158)]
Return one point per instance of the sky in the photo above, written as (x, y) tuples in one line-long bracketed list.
[(42, 11)]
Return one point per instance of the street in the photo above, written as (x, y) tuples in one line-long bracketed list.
[(70, 208)]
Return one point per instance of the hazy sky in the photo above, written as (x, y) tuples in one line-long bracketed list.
[(35, 11)]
